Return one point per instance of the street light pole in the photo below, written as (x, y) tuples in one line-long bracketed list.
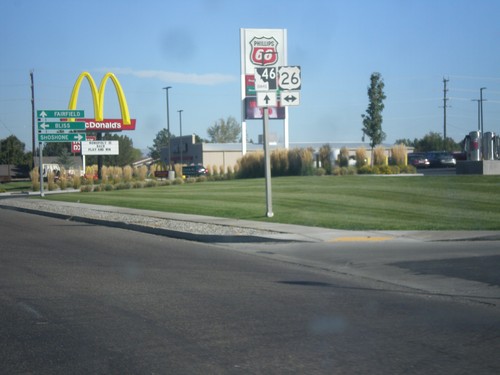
[(168, 126), (482, 128), (180, 140)]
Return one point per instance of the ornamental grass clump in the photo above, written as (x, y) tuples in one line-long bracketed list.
[(127, 173), (398, 155), (379, 157), (35, 179)]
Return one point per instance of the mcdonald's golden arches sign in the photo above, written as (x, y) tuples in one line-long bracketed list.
[(99, 123)]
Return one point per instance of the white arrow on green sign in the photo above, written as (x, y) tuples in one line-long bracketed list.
[(60, 113), (62, 137), (61, 125)]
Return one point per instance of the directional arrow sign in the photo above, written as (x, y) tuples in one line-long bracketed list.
[(267, 99), (289, 98), (61, 137), (61, 125), (62, 113)]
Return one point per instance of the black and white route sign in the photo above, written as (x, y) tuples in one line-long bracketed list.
[(289, 78), (266, 79), (289, 98), (267, 99)]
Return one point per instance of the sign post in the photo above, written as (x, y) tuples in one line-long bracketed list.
[(288, 81), (61, 126), (267, 157)]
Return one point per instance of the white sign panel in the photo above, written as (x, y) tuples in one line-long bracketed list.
[(100, 148), (289, 77), (288, 98), (267, 99), (261, 48)]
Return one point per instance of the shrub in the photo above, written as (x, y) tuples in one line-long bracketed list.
[(190, 180), (141, 172), (344, 157), (201, 179), (127, 173), (63, 183), (77, 182), (86, 188), (325, 157), (398, 154), (379, 157), (178, 181), (35, 179), (365, 169), (294, 162), (153, 183), (410, 169), (384, 169), (361, 157), (319, 171), (251, 165), (123, 186), (279, 162)]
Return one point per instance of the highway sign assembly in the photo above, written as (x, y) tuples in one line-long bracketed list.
[(61, 137), (60, 113), (267, 99), (61, 125)]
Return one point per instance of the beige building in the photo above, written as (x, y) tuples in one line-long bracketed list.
[(227, 154)]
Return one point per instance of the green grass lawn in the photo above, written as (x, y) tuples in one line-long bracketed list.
[(342, 202)]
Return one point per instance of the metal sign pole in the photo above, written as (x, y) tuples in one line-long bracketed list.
[(40, 166), (269, 198)]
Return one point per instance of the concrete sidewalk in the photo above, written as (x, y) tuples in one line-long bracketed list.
[(265, 230)]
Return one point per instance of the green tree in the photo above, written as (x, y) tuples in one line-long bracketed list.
[(12, 151), (372, 120), (160, 141), (224, 131), (434, 141)]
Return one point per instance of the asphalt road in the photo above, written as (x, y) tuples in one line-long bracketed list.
[(79, 298)]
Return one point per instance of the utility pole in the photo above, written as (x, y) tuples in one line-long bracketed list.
[(445, 99), (33, 132), (478, 113)]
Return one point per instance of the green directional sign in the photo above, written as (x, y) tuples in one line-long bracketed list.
[(62, 137), (61, 125), (60, 113)]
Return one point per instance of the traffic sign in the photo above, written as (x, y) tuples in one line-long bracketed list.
[(267, 99), (289, 78), (289, 98), (61, 125), (265, 79), (61, 137), (62, 113)]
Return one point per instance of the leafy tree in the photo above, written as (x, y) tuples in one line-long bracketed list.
[(160, 141), (56, 148), (225, 131), (12, 151), (372, 120), (406, 141), (434, 141)]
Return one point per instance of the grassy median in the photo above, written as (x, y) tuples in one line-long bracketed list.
[(342, 202)]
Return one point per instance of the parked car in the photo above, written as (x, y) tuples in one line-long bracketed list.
[(418, 160), (441, 159), (194, 170)]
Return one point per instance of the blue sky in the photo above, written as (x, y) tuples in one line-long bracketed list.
[(194, 46)]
